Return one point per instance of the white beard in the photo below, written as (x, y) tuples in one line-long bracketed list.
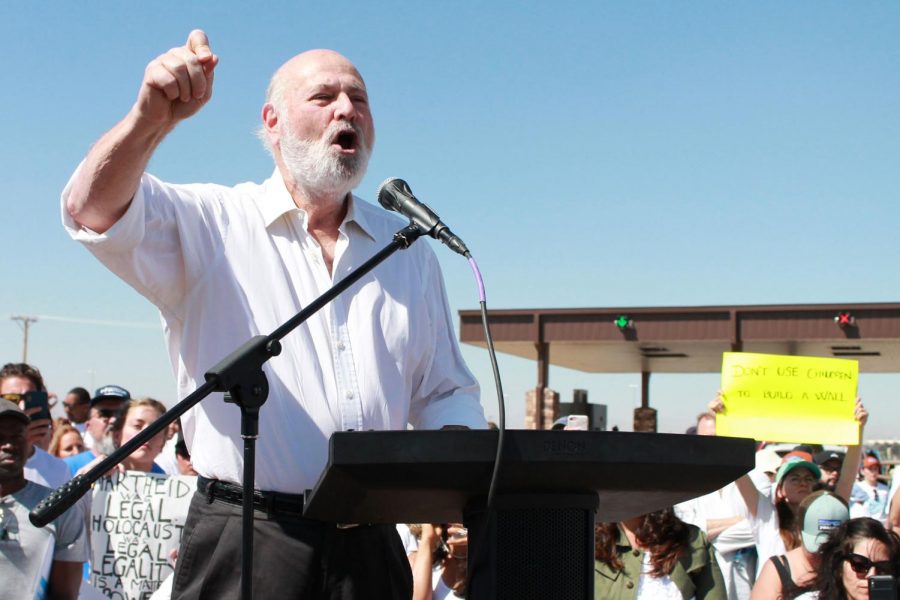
[(317, 168)]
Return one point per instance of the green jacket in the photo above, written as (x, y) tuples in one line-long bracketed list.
[(696, 574)]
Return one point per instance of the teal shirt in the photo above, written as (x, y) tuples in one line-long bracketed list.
[(696, 574)]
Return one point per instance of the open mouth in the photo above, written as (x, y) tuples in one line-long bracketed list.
[(346, 139)]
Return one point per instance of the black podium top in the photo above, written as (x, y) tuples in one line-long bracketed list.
[(430, 476)]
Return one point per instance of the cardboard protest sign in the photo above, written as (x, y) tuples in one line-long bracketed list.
[(136, 520), (799, 399)]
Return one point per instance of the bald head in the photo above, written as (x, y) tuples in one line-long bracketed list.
[(300, 68)]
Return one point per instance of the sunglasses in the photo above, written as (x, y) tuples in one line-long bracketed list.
[(861, 565), (106, 413), (14, 398)]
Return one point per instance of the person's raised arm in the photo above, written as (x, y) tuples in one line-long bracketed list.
[(716, 526), (175, 86), (744, 484), (850, 468), (422, 569)]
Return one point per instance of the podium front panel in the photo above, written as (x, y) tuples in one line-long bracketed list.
[(430, 476)]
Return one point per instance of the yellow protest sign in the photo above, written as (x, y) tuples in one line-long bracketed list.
[(801, 399)]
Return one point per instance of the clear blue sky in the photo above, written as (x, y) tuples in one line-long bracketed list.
[(590, 154)]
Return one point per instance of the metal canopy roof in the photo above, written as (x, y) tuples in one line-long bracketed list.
[(690, 339)]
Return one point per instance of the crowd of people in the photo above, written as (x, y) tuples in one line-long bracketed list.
[(38, 455), (813, 523)]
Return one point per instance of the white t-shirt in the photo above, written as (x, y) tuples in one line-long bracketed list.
[(410, 543), (875, 504), (28, 551), (439, 589), (46, 469), (656, 588), (722, 504), (765, 524)]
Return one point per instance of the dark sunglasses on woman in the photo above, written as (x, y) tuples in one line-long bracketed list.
[(861, 565)]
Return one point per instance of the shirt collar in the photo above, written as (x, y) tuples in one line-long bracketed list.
[(277, 201)]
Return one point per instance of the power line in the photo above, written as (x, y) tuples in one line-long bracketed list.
[(106, 323), (25, 321)]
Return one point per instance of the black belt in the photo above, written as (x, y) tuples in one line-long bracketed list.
[(274, 504)]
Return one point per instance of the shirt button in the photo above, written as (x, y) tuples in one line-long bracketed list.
[(629, 585), (340, 345), (348, 395), (636, 552)]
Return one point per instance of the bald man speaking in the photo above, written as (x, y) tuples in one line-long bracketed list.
[(223, 264)]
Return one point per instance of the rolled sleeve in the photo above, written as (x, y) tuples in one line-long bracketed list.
[(124, 235)]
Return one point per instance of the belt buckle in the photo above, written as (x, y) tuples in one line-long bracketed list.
[(346, 525)]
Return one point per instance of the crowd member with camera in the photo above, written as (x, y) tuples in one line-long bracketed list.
[(19, 383), (857, 551)]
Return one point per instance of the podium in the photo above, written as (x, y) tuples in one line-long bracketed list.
[(552, 487)]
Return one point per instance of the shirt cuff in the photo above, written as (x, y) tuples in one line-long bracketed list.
[(458, 409), (125, 233)]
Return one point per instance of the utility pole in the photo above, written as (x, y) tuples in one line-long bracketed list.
[(25, 322)]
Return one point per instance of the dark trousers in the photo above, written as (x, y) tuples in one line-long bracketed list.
[(293, 558)]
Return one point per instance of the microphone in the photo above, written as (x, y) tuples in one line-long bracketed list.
[(394, 194)]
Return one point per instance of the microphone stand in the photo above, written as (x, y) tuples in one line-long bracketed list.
[(240, 375)]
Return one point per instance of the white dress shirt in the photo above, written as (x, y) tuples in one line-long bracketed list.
[(224, 264)]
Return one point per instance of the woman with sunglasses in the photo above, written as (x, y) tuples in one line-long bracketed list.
[(854, 552)]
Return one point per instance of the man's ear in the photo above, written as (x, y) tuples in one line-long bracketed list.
[(269, 117)]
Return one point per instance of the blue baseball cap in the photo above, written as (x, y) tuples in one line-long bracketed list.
[(110, 392)]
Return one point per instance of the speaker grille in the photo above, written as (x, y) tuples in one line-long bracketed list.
[(550, 544)]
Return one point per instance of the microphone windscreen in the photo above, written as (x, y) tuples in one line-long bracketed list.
[(389, 190)]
